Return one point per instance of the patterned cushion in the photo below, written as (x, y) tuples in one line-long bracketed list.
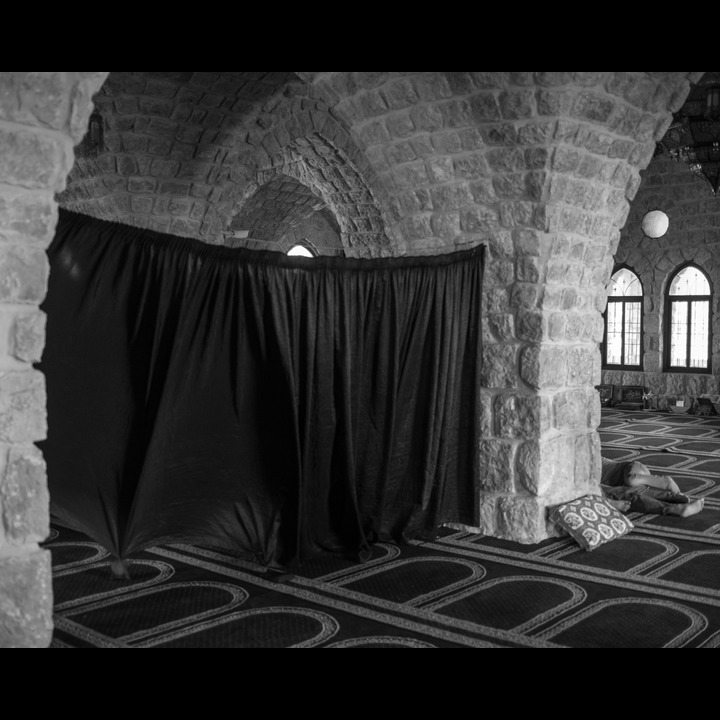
[(591, 520)]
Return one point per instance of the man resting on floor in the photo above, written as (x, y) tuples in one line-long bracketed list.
[(629, 486)]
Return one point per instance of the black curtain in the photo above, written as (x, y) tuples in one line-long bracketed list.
[(282, 406)]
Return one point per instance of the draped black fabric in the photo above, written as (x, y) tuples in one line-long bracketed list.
[(282, 406)]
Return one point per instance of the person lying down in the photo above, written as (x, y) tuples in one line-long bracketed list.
[(629, 486)]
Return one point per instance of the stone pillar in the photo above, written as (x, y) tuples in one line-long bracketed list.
[(540, 364), (42, 115), (561, 208)]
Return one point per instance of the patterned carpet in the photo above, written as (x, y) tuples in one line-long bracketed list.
[(659, 586)]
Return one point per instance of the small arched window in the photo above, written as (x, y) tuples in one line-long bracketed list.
[(301, 249), (623, 321), (688, 329)]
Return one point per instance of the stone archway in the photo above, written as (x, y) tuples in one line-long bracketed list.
[(279, 214)]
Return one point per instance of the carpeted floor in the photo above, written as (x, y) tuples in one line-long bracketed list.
[(659, 586)]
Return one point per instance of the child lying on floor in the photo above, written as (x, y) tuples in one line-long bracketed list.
[(629, 486)]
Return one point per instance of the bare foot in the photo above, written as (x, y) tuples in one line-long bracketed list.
[(672, 486), (622, 505), (691, 508)]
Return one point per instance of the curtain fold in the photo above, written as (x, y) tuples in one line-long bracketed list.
[(280, 406)]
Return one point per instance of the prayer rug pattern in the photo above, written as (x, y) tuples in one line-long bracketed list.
[(658, 586)]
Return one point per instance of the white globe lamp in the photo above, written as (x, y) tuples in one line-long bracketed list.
[(655, 224)]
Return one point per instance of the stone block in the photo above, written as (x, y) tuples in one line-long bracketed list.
[(416, 227), (502, 326), (582, 365), (537, 133), (588, 463), (479, 219), (34, 160), (544, 366), (450, 196), (24, 496), (142, 205), (471, 167), (592, 107), (447, 143), (35, 98), (485, 107), (26, 600), (487, 514), (579, 326), (499, 366), (495, 300), (27, 336), (486, 413), (399, 94), (517, 104), (410, 175), (531, 325), (545, 466), (23, 416), (27, 216), (522, 416), (570, 410), (510, 187), (506, 160), (529, 269), (492, 79), (556, 103), (482, 191), (25, 273), (524, 295), (557, 326), (446, 225), (499, 272), (500, 244), (522, 212), (552, 297), (521, 519), (529, 242), (496, 466)]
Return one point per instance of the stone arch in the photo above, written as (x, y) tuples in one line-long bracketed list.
[(314, 149), (274, 208), (320, 232), (180, 152), (169, 142), (279, 213)]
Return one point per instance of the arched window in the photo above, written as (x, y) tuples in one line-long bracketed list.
[(688, 329), (300, 249), (302, 246), (622, 347)]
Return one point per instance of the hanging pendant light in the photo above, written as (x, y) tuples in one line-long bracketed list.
[(655, 224), (694, 136)]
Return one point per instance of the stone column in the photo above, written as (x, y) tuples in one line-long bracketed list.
[(561, 208), (42, 115), (540, 364)]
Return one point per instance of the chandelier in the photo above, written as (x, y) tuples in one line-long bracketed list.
[(694, 136)]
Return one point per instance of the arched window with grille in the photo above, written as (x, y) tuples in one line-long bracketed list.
[(623, 343), (688, 321)]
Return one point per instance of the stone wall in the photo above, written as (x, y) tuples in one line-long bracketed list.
[(693, 235), (41, 116)]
